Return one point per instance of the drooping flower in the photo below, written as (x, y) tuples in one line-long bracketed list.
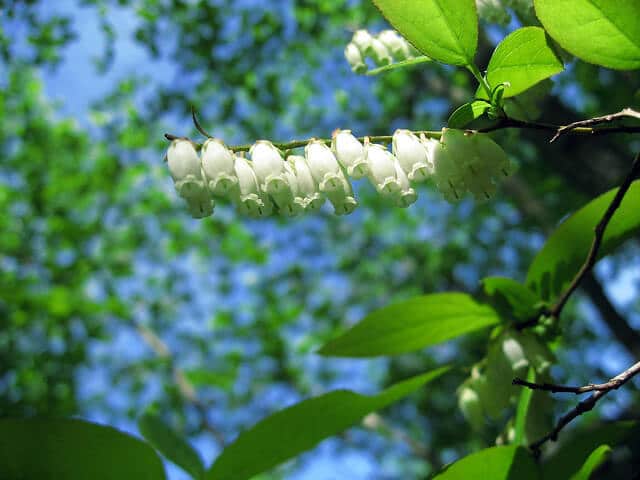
[(343, 200), (354, 56), (397, 45), (286, 203), (308, 195), (382, 170), (324, 166), (218, 167), (249, 200), (268, 165), (380, 53), (200, 205), (362, 39), (349, 153), (406, 195), (412, 155), (185, 168), (448, 163)]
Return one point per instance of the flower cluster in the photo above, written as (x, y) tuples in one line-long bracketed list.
[(269, 183), (385, 48)]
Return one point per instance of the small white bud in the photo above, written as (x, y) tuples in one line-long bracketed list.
[(362, 39), (407, 195), (354, 57), (379, 53), (411, 154), (324, 166), (218, 167), (349, 152), (268, 165), (308, 195), (185, 168), (397, 45), (249, 200), (382, 170)]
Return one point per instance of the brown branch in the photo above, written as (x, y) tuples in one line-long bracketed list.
[(624, 113)]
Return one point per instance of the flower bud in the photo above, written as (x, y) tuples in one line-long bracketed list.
[(268, 165), (354, 57), (343, 200), (412, 155), (308, 196), (407, 195), (362, 39), (249, 200), (382, 170), (379, 53), (200, 205), (469, 404), (324, 166), (185, 168), (218, 167), (349, 153), (397, 45), (286, 203)]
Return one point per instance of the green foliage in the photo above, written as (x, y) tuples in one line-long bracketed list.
[(497, 463), (300, 427), (566, 249), (524, 58), (42, 449), (603, 32), (171, 444), (522, 410), (445, 30), (595, 459), (412, 324), (467, 113), (511, 297)]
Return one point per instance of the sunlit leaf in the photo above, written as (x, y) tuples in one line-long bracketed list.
[(511, 297), (497, 463), (467, 113), (597, 458)]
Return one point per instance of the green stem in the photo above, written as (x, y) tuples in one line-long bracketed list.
[(475, 71)]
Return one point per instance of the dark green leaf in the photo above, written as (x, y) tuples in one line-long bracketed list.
[(597, 458), (511, 296), (467, 113), (522, 59), (566, 249), (445, 30), (496, 463), (40, 449), (296, 429), (413, 324), (171, 444), (603, 32)]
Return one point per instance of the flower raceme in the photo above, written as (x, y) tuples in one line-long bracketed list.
[(267, 183), (385, 48)]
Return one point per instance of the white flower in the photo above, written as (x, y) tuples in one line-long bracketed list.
[(185, 168), (397, 45), (349, 152), (407, 195), (362, 39), (249, 199), (268, 165), (343, 200), (382, 170), (380, 53), (200, 205), (354, 57), (308, 196), (217, 167), (449, 162), (287, 204), (411, 154), (324, 166)]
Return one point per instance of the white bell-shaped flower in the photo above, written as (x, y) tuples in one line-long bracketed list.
[(201, 205), (324, 166), (362, 39), (249, 200), (343, 200), (350, 153), (491, 155), (382, 170), (287, 204), (449, 163), (354, 57), (218, 167), (185, 168), (269, 167), (412, 155), (308, 195), (397, 45), (380, 53), (406, 195)]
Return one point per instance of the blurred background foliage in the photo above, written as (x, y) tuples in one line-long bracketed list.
[(114, 301)]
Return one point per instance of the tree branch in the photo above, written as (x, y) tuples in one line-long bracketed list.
[(624, 113)]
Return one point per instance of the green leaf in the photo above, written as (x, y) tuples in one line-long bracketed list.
[(300, 427), (36, 449), (413, 324), (445, 30), (511, 297), (597, 458), (603, 32), (171, 444), (566, 249), (522, 410), (403, 64), (497, 463), (467, 113), (569, 458), (524, 58)]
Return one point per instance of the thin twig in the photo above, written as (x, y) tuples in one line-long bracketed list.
[(624, 113), (197, 123)]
